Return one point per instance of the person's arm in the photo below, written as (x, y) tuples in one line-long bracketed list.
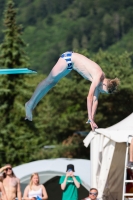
[(91, 104), (77, 184), (131, 151), (26, 191), (63, 185), (19, 194), (95, 103), (3, 168), (4, 197), (44, 192)]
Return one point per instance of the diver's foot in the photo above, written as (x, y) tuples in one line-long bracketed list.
[(28, 111)]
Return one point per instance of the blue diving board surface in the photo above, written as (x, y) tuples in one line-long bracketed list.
[(17, 71)]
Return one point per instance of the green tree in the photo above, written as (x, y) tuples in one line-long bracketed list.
[(12, 53), (22, 141), (13, 92), (52, 27)]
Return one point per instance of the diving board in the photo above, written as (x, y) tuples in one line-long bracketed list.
[(17, 71)]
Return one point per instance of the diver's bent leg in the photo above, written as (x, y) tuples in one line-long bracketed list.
[(41, 90), (44, 88), (59, 71)]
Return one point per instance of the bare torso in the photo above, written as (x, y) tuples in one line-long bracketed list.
[(10, 185), (86, 67)]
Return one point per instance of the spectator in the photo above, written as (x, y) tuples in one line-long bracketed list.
[(2, 190), (70, 184), (130, 163), (35, 190), (11, 183), (92, 195)]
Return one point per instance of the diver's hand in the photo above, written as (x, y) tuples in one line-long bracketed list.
[(93, 124)]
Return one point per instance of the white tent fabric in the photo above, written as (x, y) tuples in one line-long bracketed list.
[(103, 151), (125, 124), (50, 168)]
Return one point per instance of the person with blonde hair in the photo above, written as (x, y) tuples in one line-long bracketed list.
[(86, 68), (35, 190), (11, 183)]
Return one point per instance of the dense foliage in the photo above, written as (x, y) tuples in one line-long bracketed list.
[(51, 27)]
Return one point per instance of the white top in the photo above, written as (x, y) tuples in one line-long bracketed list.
[(35, 193), (89, 198)]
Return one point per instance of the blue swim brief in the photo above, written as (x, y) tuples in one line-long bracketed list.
[(67, 56)]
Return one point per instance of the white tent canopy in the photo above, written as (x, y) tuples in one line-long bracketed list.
[(108, 148), (50, 168)]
